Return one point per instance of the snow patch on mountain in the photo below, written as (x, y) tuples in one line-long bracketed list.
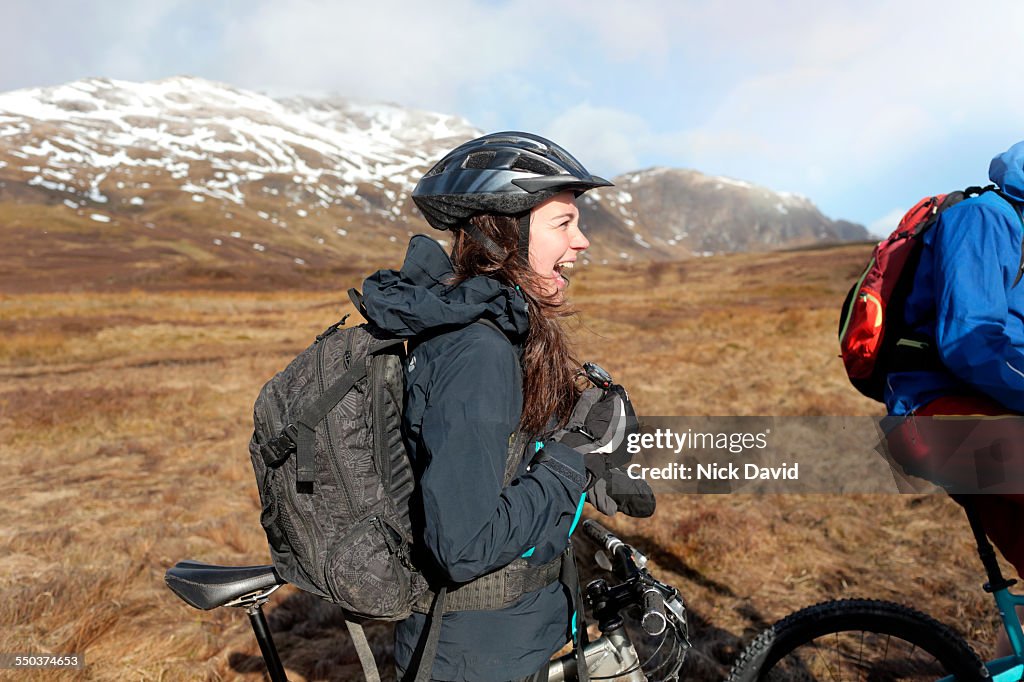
[(216, 140)]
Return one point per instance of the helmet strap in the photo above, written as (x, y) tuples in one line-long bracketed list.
[(482, 239), (524, 237)]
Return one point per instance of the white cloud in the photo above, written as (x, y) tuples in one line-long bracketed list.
[(413, 52), (606, 141), (828, 99), (882, 227), (820, 98), (55, 42), (856, 83)]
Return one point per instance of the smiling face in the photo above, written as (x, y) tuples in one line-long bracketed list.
[(555, 242)]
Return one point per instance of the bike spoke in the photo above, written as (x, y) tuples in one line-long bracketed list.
[(828, 667), (858, 640), (857, 655), (839, 661)]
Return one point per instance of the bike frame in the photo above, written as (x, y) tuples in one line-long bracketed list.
[(609, 655), (1009, 668)]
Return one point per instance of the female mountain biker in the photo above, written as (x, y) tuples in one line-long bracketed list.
[(484, 396)]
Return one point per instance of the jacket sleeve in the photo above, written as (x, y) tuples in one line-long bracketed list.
[(977, 255), (473, 525)]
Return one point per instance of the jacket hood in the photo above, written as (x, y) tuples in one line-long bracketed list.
[(415, 299), (1007, 171)]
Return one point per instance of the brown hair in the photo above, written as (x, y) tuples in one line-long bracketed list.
[(549, 365)]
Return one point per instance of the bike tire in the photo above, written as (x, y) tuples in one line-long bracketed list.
[(776, 654)]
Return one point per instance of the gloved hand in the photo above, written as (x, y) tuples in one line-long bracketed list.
[(616, 491), (598, 428)]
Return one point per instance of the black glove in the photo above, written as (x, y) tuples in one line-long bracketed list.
[(599, 427), (617, 492)]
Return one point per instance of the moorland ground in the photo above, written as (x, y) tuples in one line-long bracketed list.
[(125, 414)]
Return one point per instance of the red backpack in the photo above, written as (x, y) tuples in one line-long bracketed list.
[(874, 337)]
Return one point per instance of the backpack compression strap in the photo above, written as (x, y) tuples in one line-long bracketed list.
[(305, 425), (366, 659)]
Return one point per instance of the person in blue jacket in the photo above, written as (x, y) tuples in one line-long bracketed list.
[(968, 297), (491, 396)]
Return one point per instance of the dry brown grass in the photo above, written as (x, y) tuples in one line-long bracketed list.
[(124, 418)]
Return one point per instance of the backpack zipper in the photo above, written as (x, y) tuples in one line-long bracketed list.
[(339, 478), (377, 396), (292, 513)]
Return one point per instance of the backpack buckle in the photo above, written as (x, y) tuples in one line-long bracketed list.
[(330, 330), (281, 448)]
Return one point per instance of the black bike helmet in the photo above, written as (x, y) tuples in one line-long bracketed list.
[(505, 173)]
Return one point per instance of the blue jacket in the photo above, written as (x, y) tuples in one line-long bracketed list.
[(965, 299), (463, 400)]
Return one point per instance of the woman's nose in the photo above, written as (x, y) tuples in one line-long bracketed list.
[(579, 240)]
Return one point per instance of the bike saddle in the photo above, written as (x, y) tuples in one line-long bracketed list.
[(206, 586)]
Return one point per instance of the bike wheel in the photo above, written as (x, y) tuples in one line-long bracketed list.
[(858, 639)]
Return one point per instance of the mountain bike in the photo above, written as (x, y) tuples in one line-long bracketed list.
[(644, 633), (861, 639)]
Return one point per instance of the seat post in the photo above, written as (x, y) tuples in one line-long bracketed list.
[(996, 581), (266, 641)]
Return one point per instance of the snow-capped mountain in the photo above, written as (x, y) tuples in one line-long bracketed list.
[(184, 172), (217, 141), (682, 212)]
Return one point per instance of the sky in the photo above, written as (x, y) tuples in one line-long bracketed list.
[(862, 106)]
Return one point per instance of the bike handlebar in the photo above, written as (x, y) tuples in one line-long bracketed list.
[(652, 601), (601, 535), (653, 620)]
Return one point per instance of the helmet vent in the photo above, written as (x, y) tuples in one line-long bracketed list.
[(436, 170), (479, 160), (532, 164), (570, 162)]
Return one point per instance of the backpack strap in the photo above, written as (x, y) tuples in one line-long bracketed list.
[(426, 650), (357, 300), (366, 659), (305, 426), (495, 590), (570, 579)]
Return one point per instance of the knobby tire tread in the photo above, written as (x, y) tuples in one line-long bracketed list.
[(853, 615)]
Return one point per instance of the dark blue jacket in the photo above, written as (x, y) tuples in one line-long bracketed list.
[(463, 401), (964, 297)]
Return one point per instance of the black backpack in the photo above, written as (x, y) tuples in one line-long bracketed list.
[(333, 473), (335, 482)]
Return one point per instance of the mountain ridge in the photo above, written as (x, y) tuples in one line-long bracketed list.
[(225, 177)]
